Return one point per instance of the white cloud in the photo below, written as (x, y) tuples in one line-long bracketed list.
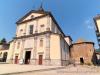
[(89, 23)]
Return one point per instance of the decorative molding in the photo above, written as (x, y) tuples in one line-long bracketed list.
[(36, 31), (35, 47), (33, 35), (22, 49), (13, 48), (18, 23), (40, 53), (48, 24), (47, 55), (28, 48)]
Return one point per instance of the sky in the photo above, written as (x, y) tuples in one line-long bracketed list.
[(75, 17)]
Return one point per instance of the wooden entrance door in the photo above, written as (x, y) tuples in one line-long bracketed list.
[(40, 59), (16, 59)]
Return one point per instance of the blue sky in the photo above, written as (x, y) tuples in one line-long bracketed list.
[(75, 17)]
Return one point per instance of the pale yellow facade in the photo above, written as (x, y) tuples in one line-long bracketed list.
[(45, 46), (98, 24)]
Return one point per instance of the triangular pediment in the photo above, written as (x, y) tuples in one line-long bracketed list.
[(32, 14)]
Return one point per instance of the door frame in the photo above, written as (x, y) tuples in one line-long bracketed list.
[(81, 60), (40, 60), (26, 60), (16, 59), (5, 56)]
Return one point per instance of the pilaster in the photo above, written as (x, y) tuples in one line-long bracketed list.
[(35, 48), (22, 49), (47, 55)]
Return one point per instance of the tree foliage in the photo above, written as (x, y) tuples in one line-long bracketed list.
[(3, 41)]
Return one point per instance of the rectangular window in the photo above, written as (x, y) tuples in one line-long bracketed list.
[(41, 42), (31, 29), (18, 45), (21, 32), (42, 28)]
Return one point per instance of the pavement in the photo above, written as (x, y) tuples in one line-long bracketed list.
[(15, 69), (69, 70), (56, 73), (7, 69)]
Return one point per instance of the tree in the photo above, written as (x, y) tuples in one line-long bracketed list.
[(3, 41)]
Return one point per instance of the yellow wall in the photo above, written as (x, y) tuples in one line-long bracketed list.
[(55, 52), (98, 24)]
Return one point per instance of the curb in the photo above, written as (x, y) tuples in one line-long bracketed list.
[(40, 70)]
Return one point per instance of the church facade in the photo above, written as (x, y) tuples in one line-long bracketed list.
[(39, 40)]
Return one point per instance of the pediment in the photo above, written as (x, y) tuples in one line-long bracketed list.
[(29, 16), (32, 15)]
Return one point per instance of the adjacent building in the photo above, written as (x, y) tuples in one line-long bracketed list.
[(97, 30), (82, 52), (97, 52), (39, 40), (4, 48), (97, 27)]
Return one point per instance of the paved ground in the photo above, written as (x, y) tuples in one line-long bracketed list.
[(69, 70), (13, 68), (57, 73), (7, 69)]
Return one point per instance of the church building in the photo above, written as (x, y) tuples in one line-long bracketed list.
[(39, 40)]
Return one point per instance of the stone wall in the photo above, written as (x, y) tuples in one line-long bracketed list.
[(82, 51)]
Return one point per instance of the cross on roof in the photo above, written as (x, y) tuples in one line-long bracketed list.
[(41, 6)]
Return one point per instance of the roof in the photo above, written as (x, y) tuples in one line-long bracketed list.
[(97, 17), (69, 37), (81, 41), (32, 11), (41, 11)]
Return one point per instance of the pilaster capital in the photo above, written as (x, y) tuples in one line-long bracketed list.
[(48, 35), (23, 39), (35, 37)]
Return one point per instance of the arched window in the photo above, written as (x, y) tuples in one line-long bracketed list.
[(41, 42)]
